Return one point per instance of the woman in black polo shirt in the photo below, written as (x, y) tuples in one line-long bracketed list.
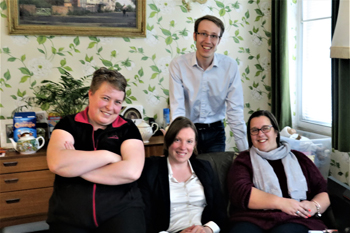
[(97, 156)]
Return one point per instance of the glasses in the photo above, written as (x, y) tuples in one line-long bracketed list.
[(264, 129), (205, 35)]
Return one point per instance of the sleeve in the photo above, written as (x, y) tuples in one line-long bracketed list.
[(132, 132), (145, 184), (213, 226), (235, 107), (176, 91), (65, 124), (240, 181)]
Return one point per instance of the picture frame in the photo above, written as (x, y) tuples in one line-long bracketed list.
[(26, 19), (6, 132)]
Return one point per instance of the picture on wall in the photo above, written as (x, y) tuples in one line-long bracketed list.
[(6, 132), (124, 18)]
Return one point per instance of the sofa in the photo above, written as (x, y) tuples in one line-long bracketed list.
[(221, 162)]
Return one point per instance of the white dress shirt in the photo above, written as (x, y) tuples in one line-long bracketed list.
[(203, 95), (187, 202)]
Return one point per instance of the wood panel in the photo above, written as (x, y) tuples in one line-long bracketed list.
[(155, 146), (11, 164), (24, 203), (26, 180), (25, 188)]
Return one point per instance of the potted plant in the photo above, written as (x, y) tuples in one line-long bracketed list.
[(66, 97)]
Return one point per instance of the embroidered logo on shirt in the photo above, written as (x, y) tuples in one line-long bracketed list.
[(114, 137)]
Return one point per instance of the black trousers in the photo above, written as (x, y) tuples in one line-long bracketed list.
[(247, 227), (211, 138), (131, 220)]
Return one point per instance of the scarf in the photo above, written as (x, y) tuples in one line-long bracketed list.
[(265, 179)]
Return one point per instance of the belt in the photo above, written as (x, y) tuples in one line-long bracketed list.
[(202, 125)]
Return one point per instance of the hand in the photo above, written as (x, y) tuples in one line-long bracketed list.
[(114, 157), (188, 229), (197, 229), (310, 206), (295, 208), (163, 131), (69, 145)]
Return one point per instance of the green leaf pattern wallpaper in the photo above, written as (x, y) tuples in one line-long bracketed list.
[(27, 60)]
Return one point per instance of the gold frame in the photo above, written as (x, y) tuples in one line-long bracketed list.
[(27, 29)]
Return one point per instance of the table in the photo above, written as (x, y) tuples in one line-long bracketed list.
[(155, 146)]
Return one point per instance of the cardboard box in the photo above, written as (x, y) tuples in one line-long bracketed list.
[(24, 123), (317, 147)]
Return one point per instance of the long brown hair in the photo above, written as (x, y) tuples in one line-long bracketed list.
[(178, 124)]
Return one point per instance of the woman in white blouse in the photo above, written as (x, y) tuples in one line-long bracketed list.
[(181, 193)]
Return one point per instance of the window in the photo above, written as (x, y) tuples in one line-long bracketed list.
[(314, 66)]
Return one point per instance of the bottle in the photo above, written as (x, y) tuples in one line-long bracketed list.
[(166, 118)]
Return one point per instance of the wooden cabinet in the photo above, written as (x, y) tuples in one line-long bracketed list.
[(155, 146), (26, 185)]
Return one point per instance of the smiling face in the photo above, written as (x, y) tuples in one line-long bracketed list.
[(181, 149), (206, 46), (104, 105), (263, 141)]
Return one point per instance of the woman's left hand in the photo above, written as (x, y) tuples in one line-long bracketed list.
[(309, 206), (294, 207)]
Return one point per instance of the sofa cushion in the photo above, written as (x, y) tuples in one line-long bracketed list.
[(220, 162)]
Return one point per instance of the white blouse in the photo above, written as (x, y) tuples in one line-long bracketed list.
[(187, 202)]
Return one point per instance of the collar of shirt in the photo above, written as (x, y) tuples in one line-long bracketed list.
[(215, 62), (170, 171)]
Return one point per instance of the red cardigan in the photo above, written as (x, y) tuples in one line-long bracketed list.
[(240, 182)]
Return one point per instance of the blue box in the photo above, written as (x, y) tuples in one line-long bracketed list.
[(24, 123)]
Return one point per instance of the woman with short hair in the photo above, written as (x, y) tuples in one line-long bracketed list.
[(97, 155)]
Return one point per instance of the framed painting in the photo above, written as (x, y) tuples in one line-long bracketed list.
[(6, 132), (118, 18)]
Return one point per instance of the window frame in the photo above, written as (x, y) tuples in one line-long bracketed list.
[(300, 123)]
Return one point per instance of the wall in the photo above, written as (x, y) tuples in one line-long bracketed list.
[(27, 60)]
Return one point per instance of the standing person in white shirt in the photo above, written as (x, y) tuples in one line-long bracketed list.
[(203, 84), (182, 193)]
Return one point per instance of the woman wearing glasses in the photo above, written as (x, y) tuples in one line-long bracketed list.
[(273, 188)]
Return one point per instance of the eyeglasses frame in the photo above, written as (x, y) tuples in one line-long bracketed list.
[(261, 129), (208, 35)]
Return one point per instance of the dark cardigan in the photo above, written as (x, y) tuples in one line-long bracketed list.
[(240, 182)]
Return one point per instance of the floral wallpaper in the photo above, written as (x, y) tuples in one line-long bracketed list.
[(27, 60)]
